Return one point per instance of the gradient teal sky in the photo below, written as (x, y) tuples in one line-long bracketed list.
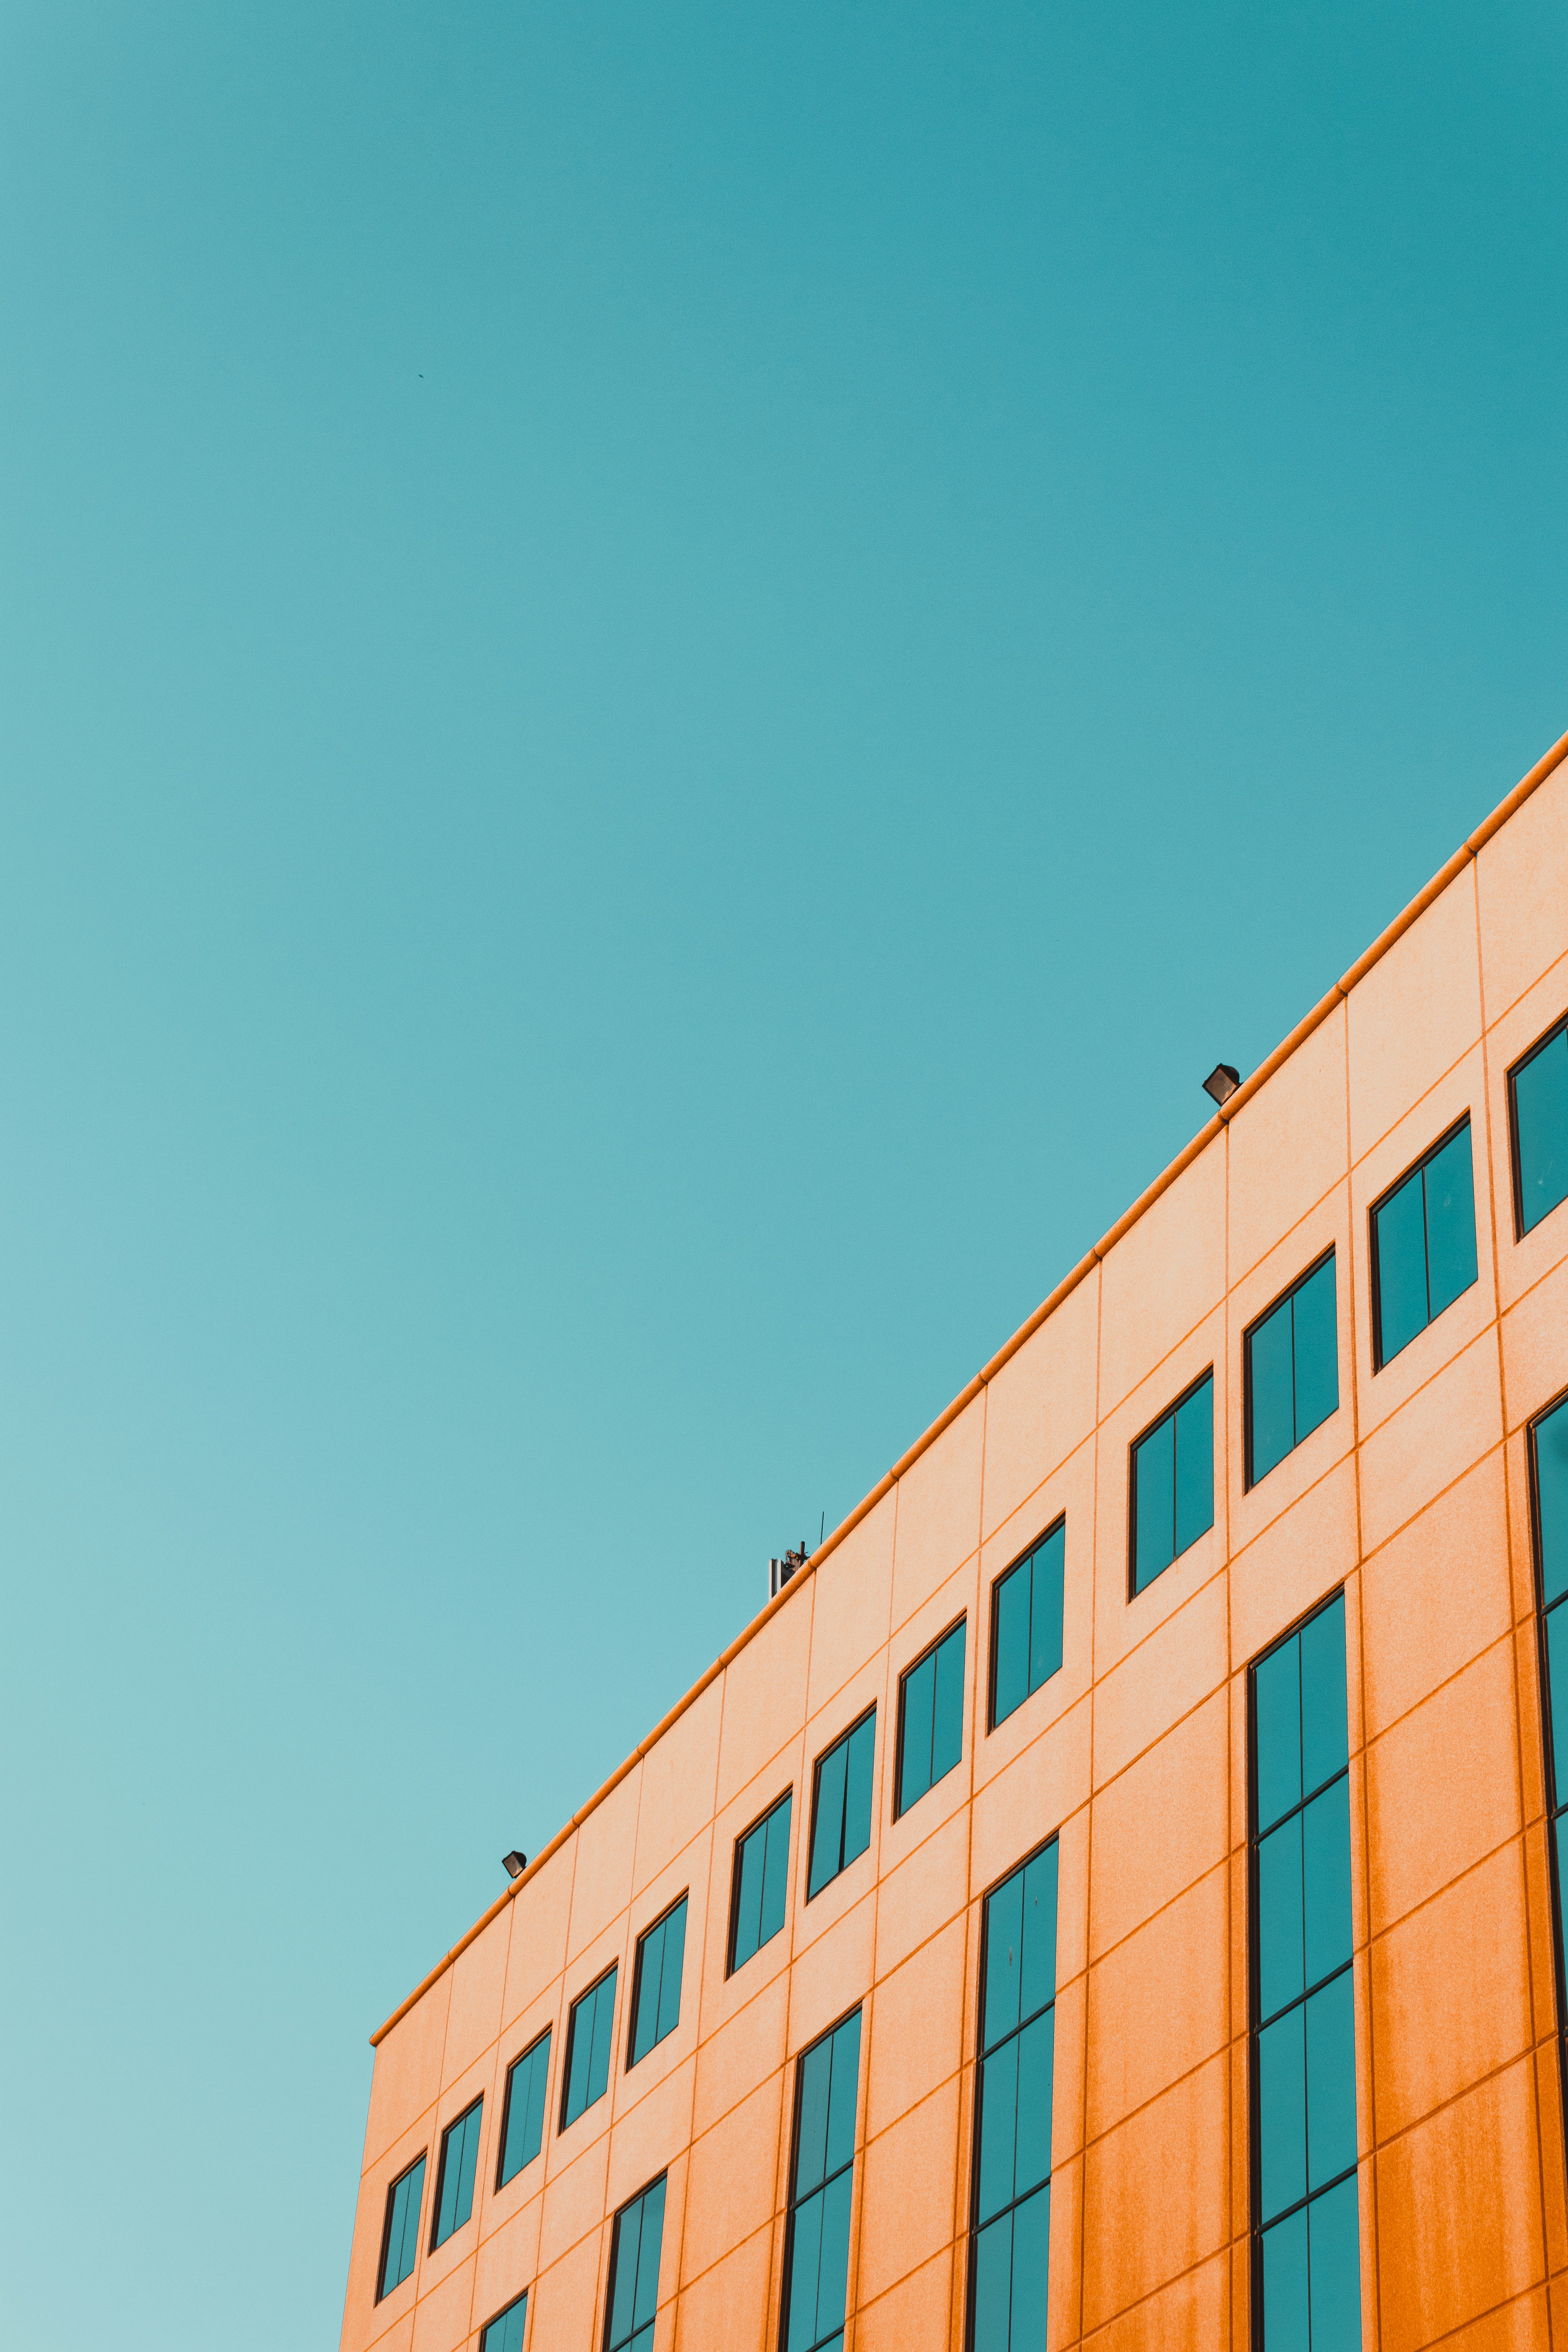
[(667, 677)]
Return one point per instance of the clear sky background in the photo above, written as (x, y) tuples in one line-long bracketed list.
[(668, 674)]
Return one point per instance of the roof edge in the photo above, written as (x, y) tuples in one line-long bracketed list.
[(1469, 849)]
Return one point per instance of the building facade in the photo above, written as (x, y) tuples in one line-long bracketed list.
[(1110, 1895)]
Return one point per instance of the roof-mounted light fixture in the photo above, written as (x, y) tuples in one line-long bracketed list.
[(514, 1864), (1222, 1082)]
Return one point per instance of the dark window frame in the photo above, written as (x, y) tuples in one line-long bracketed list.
[(997, 1582), (653, 1925), (504, 2313), (447, 2130), (793, 2203), (972, 2259), (913, 1668), (636, 2197), (1439, 1144), (841, 1739), (1555, 1799), (1166, 1412), (522, 2055), (1305, 1277), (1516, 1167), (785, 1796), (572, 2008), (393, 2186)]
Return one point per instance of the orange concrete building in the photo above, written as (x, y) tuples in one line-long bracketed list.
[(1108, 1896)]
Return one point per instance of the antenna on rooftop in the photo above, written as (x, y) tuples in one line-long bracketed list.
[(780, 1570)]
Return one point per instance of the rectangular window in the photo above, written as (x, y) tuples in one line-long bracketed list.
[(633, 2296), (816, 2239), (504, 2333), (761, 1887), (1306, 2245), (1538, 1108), (1173, 1483), (1292, 1370), (522, 2114), (400, 2232), (1026, 1623), (1549, 1476), (455, 2175), (930, 1717), (841, 1803), (1423, 1244), (589, 2031), (656, 1983), (1010, 2221)]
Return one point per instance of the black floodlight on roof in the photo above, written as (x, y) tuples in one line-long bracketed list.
[(514, 1864), (1222, 1082)]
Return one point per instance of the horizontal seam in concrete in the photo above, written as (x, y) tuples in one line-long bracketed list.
[(1497, 1642), (1525, 2057), (1039, 1487), (1480, 2318), (1538, 774), (1392, 1926)]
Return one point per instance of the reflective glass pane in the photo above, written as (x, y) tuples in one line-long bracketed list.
[(805, 2267), (1541, 1112), (1031, 2268), (776, 1884), (749, 1894), (843, 2083), (993, 2286), (1335, 2241), (649, 2249), (1285, 2301), (1045, 1613), (1155, 1513), (604, 2029), (1450, 1224), (579, 2055), (1282, 2113), (918, 1699), (1281, 1966), (1326, 1880), (1276, 1704), (1032, 2157), (1401, 1228), (857, 1790), (644, 2007), (1270, 1360), (998, 2127), (811, 2146), (538, 2085), (1004, 1956), (1012, 1687), (468, 2160), (671, 1967), (1324, 1750), (504, 2333), (1317, 1343), (624, 2288), (1330, 2081), (1194, 1467), (1552, 1494), (832, 2271), (947, 1729), (1039, 1931), (827, 1826)]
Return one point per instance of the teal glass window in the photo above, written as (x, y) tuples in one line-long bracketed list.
[(400, 2232), (633, 2297), (1306, 2241), (1292, 1370), (504, 2333), (589, 2031), (455, 2174), (522, 2113), (656, 1983), (930, 1717), (1538, 1100), (841, 1803), (760, 1888), (1423, 1244), (822, 2171), (1173, 1483), (1026, 1623), (1549, 1473), (1011, 2216)]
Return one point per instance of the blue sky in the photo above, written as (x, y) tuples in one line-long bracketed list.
[(667, 677)]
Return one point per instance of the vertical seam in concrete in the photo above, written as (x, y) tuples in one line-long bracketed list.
[(1089, 1821), (958, 2266), (1229, 1784)]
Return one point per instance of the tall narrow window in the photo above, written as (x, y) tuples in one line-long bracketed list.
[(841, 1803), (930, 1717), (1173, 1483), (522, 2114), (633, 2296), (1026, 1623), (655, 1986), (455, 2175), (1306, 2246), (589, 2031), (761, 1887), (1011, 2215), (1292, 1370), (504, 2333), (817, 2240), (1423, 1244), (400, 2232), (1548, 1466), (1538, 1099)]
